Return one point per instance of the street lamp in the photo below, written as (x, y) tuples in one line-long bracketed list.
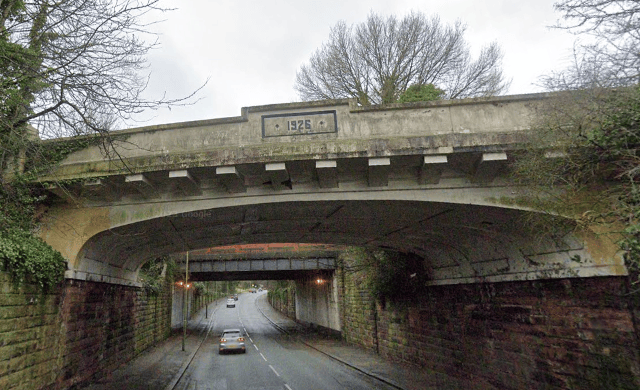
[(184, 301)]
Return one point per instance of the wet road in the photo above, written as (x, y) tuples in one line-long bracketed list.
[(273, 360)]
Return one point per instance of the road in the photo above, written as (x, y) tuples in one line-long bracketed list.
[(273, 360)]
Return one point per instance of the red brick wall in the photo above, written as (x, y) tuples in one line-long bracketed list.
[(105, 326), (98, 321), (555, 334)]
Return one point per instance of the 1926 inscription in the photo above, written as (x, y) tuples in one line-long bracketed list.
[(300, 124), (281, 125)]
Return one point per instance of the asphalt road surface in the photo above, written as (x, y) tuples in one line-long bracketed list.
[(273, 360)]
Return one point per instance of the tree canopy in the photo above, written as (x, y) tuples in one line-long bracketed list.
[(379, 59)]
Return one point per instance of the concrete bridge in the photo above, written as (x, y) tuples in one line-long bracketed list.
[(426, 178), (506, 307)]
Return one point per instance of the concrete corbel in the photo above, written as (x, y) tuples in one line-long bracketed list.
[(431, 169), (186, 183), (101, 188), (141, 184), (277, 173), (62, 192), (488, 167), (231, 179), (327, 171), (379, 171)]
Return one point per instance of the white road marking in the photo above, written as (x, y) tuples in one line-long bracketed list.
[(274, 370), (287, 386), (255, 346), (265, 359)]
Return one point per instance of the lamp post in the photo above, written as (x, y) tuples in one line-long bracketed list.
[(184, 302)]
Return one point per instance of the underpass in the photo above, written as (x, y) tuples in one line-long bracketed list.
[(424, 179), (280, 355)]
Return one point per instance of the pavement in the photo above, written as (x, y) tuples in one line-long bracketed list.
[(162, 366), (394, 374)]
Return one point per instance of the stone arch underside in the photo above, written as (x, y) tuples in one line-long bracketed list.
[(460, 243)]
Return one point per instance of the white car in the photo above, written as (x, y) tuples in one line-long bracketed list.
[(231, 303), (231, 340)]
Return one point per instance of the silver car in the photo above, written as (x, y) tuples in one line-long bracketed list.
[(231, 303), (231, 340)]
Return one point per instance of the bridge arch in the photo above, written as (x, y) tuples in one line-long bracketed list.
[(460, 243)]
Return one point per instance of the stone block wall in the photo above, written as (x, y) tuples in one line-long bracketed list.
[(29, 337), (153, 318), (82, 331), (550, 334), (358, 313)]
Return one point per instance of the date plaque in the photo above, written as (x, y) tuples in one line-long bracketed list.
[(299, 123)]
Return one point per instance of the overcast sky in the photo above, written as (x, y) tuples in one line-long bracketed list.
[(250, 50)]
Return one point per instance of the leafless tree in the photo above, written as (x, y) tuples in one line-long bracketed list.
[(71, 67), (376, 61), (609, 53)]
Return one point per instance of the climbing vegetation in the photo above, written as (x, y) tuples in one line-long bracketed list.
[(388, 275), (28, 259)]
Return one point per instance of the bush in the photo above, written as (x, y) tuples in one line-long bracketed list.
[(28, 259)]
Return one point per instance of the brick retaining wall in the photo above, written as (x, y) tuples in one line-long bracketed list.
[(83, 331), (549, 334), (552, 334), (29, 337)]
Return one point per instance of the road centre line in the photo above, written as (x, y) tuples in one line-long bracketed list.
[(255, 346), (288, 387), (265, 359), (274, 370)]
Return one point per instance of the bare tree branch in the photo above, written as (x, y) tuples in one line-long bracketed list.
[(86, 56)]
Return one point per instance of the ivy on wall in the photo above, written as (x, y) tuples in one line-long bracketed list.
[(23, 201), (28, 259), (156, 273), (390, 276)]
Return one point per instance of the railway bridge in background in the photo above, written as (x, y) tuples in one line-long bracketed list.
[(286, 261)]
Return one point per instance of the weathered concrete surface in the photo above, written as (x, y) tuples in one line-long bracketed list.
[(316, 302), (425, 178), (361, 132)]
